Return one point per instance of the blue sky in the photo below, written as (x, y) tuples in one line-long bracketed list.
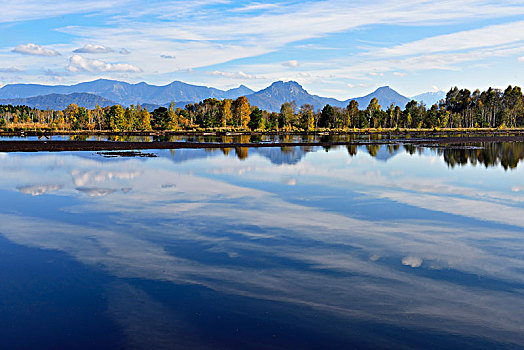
[(333, 48)]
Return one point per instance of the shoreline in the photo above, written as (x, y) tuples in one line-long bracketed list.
[(211, 132), (64, 146)]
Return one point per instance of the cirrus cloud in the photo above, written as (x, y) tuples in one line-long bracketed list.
[(236, 75), (35, 50), (10, 70), (78, 63)]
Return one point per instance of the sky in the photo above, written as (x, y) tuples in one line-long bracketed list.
[(333, 48)]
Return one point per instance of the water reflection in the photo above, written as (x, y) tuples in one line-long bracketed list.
[(488, 154), (507, 155), (332, 243)]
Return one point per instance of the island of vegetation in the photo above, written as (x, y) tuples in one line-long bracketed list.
[(461, 109)]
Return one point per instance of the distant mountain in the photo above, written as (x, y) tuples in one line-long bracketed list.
[(126, 94), (59, 101), (152, 96), (385, 95), (272, 97), (242, 90), (430, 98)]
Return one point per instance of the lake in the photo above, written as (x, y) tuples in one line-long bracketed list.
[(377, 246)]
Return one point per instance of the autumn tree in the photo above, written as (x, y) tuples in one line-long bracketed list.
[(225, 113), (116, 118), (241, 112), (307, 118), (172, 123)]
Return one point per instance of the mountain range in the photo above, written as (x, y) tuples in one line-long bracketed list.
[(107, 92), (430, 98), (59, 101)]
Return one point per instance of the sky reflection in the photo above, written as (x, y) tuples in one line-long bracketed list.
[(408, 242)]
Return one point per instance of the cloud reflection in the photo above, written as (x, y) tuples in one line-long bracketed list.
[(412, 261), (149, 226), (96, 191), (39, 190)]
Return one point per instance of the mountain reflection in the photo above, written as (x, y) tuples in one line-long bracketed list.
[(488, 154), (508, 155)]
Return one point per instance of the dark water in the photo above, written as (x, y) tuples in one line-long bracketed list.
[(295, 248)]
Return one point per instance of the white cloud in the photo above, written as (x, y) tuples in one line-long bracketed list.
[(399, 74), (292, 64), (376, 74), (124, 51), (93, 48), (36, 50), (351, 86), (521, 59), (78, 63), (169, 57)]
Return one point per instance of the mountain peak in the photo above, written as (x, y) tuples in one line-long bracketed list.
[(288, 87), (286, 83), (386, 96)]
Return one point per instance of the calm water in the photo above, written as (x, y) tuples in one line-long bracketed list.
[(295, 248)]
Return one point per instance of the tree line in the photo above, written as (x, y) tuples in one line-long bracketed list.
[(460, 108)]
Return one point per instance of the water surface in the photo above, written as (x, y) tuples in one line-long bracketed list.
[(305, 248)]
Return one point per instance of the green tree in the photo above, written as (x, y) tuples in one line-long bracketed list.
[(307, 117), (287, 112), (256, 120), (160, 118), (352, 113), (372, 112), (327, 117)]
